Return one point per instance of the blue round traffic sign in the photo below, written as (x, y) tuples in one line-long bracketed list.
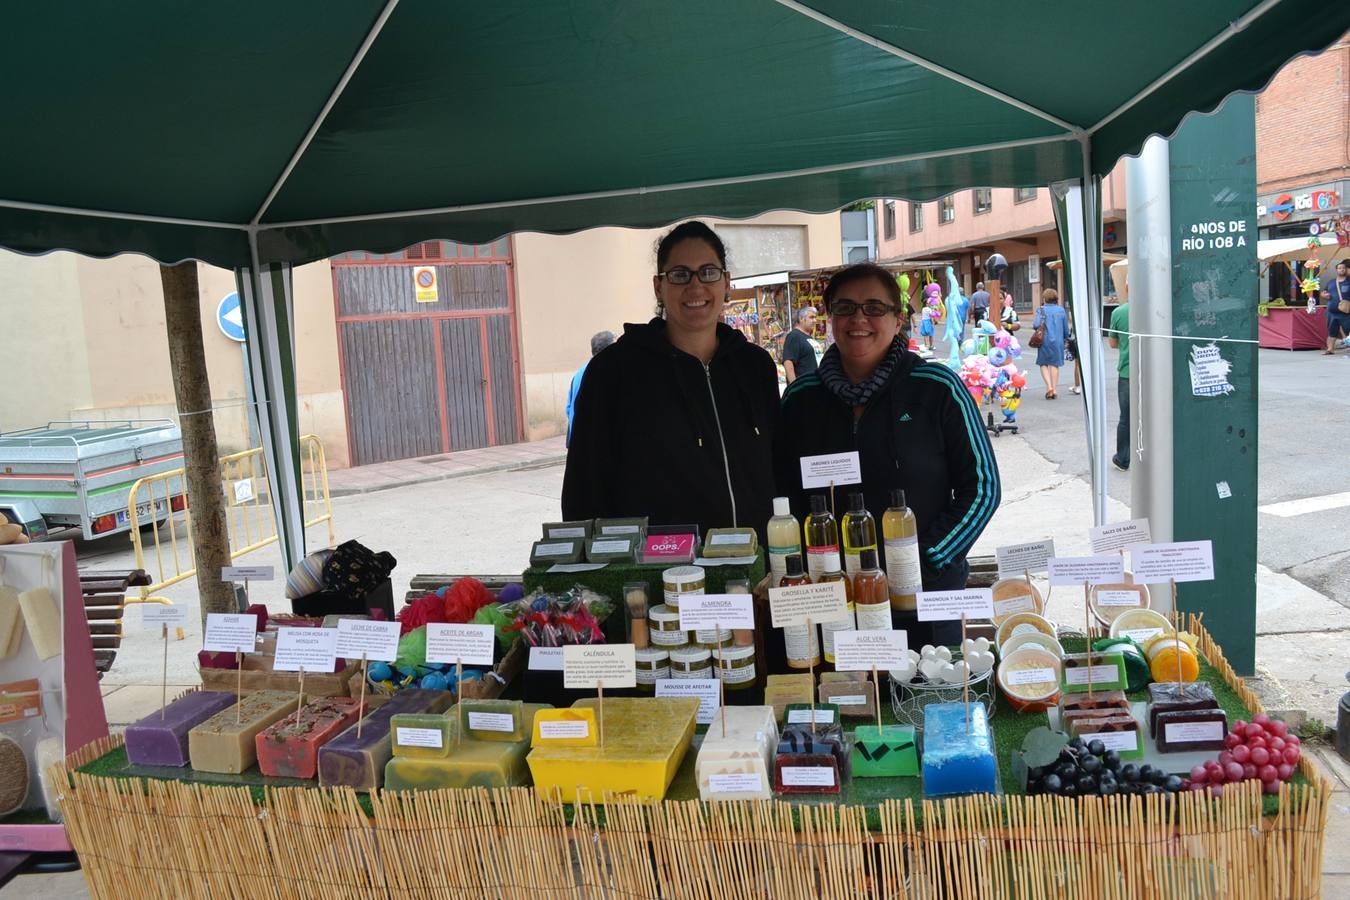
[(230, 317)]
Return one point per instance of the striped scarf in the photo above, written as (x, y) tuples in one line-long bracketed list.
[(831, 373)]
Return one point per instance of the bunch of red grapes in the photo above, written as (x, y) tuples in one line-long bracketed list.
[(1263, 749)]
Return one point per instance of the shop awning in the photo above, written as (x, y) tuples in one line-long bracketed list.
[(1296, 249), (193, 130)]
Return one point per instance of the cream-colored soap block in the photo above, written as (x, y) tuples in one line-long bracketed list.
[(11, 625), (645, 741), (43, 620), (736, 761), (222, 744)]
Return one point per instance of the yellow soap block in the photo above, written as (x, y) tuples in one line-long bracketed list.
[(646, 739), (564, 728), (471, 763), (11, 626), (781, 690), (43, 620), (226, 742)]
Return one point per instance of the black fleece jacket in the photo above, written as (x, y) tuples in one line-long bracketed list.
[(921, 432), (647, 439)]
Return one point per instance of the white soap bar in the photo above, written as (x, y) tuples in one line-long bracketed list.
[(746, 750), (43, 620), (11, 626)]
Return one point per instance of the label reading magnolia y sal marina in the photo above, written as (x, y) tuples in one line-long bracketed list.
[(479, 721), (1100, 674), (419, 737), (902, 565), (1187, 732), (735, 783), (556, 730), (807, 776)]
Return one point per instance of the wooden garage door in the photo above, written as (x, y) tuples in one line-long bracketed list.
[(423, 378)]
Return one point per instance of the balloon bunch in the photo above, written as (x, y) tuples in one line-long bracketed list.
[(932, 309), (988, 370)]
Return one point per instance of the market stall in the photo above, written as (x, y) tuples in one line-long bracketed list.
[(1287, 324)]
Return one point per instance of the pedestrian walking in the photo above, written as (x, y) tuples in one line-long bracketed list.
[(1051, 326)]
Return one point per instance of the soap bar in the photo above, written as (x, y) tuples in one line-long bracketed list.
[(1119, 732), (646, 739), (11, 626), (736, 759), (1095, 700), (633, 527), (548, 553), (421, 735), (471, 763), (825, 739), (621, 548), (290, 748), (577, 530), (957, 761), (1173, 696), (222, 744), (358, 762), (837, 677), (564, 728), (854, 698), (494, 720), (887, 751), (162, 740), (1107, 672), (1197, 729), (1069, 719), (806, 773), (721, 543), (780, 691), (825, 715), (43, 621)]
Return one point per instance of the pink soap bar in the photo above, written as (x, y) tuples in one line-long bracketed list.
[(290, 748)]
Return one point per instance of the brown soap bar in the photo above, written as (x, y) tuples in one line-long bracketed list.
[(225, 742), (1172, 696), (1095, 700), (1200, 729), (854, 698), (1068, 719)]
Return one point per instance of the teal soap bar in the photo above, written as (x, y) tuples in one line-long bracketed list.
[(958, 753), (887, 751)]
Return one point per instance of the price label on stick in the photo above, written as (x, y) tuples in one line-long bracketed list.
[(155, 615), (247, 573), (231, 633), (376, 640), (546, 659), (471, 645), (831, 468), (1108, 569), (1015, 560), (716, 611), (789, 606), (859, 651), (705, 689), (588, 666), (943, 606), (1109, 538), (311, 649), (1186, 561)]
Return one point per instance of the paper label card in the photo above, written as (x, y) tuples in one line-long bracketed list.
[(1013, 605), (943, 606), (735, 783), (419, 737), (788, 606), (1109, 538), (831, 468), (700, 611), (807, 776), (377, 640), (705, 689), (311, 649), (1142, 635), (859, 651), (588, 666), (1018, 559), (231, 633), (471, 645), (247, 573), (1108, 569), (20, 700), (156, 615), (479, 721), (1092, 675), (556, 729), (1119, 741), (1118, 598), (1185, 561), (1030, 676), (546, 659), (803, 717)]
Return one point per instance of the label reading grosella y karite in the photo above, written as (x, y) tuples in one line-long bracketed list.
[(591, 666), (815, 603)]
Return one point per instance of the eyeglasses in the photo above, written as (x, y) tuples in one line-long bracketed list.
[(706, 274), (873, 309)]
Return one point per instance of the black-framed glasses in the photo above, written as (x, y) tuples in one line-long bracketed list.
[(873, 309), (706, 274)]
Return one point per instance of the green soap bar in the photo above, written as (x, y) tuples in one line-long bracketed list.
[(471, 762), (494, 720), (884, 752), (547, 553), (616, 548), (730, 542), (420, 735), (578, 530), (634, 528), (1107, 673)]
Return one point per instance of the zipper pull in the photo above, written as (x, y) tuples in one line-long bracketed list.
[(700, 442)]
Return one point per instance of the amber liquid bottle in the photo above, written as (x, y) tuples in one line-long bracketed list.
[(871, 594), (799, 641), (822, 540), (900, 531)]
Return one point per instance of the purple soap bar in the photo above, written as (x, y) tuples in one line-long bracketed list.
[(163, 740), (358, 762)]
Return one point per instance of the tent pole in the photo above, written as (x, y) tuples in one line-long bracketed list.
[(1088, 312)]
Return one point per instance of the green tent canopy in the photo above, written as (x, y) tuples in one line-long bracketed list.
[(260, 135)]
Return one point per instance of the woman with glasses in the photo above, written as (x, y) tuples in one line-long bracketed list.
[(913, 423), (675, 420)]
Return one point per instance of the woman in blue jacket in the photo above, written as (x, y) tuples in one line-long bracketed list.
[(913, 423), (1050, 355)]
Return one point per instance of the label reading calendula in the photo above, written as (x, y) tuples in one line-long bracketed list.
[(561, 729), (902, 565), (479, 721), (419, 737), (807, 776)]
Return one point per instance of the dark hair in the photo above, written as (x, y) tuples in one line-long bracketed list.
[(862, 272), (692, 230)]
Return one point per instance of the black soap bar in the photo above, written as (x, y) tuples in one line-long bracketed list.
[(1172, 696)]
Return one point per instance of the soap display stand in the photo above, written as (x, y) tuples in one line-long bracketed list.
[(908, 700)]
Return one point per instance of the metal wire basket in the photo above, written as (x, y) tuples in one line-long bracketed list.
[(908, 700)]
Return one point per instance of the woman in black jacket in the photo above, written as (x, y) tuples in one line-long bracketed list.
[(675, 420), (913, 424)]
